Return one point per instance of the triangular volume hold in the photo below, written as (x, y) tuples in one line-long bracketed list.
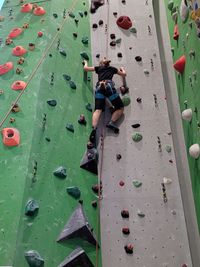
[(78, 226), (78, 257), (179, 65), (89, 161)]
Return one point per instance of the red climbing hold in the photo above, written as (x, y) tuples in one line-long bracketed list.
[(27, 8), (121, 183), (11, 137), (6, 67), (179, 65), (19, 85), (40, 34), (176, 32), (39, 11), (15, 32), (19, 51), (124, 22)]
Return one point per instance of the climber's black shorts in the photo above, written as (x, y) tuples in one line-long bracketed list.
[(117, 103)]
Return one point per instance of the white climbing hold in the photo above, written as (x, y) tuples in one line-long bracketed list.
[(167, 180), (187, 114), (194, 151), (184, 11)]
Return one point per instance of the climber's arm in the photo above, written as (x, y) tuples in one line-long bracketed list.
[(86, 67), (122, 72)]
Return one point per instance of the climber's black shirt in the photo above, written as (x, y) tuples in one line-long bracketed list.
[(105, 73)]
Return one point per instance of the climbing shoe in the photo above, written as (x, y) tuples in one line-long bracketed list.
[(92, 137), (113, 127)]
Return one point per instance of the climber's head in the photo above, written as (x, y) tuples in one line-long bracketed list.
[(105, 62)]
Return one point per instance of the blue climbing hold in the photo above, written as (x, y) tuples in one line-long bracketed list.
[(74, 191), (60, 172), (34, 259), (52, 102)]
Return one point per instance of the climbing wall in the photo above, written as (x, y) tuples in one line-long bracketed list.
[(143, 183), (188, 84), (52, 71)]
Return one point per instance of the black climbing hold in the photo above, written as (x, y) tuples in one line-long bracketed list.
[(94, 26), (125, 214), (33, 258), (136, 125), (89, 161), (60, 172), (70, 127), (95, 4), (88, 107), (80, 201), (97, 55), (118, 156), (138, 58), (32, 208), (94, 204), (100, 22), (115, 14), (55, 15), (77, 257), (58, 29), (112, 36), (50, 55), (84, 55), (123, 1), (62, 52), (112, 43), (85, 13), (72, 85), (66, 77), (119, 54), (47, 139), (74, 191), (81, 14), (52, 102), (82, 120), (139, 99), (129, 249), (78, 226), (85, 40), (89, 79), (71, 14), (126, 231), (75, 34), (76, 21)]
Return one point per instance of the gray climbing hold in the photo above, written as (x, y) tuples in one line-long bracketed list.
[(70, 127), (74, 191), (62, 52), (168, 148), (72, 85), (84, 55), (34, 259), (170, 5), (137, 183), (32, 208), (66, 77), (146, 72), (88, 106), (52, 102), (126, 100), (137, 137), (60, 172), (140, 214), (133, 30), (85, 40), (118, 41), (71, 14)]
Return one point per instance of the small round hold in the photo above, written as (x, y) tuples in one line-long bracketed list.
[(139, 99), (100, 22), (75, 34), (55, 15), (170, 161), (97, 55), (58, 29), (125, 214), (123, 1), (136, 125), (50, 55), (12, 120), (113, 43), (47, 139), (115, 14), (94, 26), (85, 13), (118, 156), (119, 55), (126, 231), (112, 36), (138, 58), (121, 183), (130, 48), (94, 204), (129, 249), (40, 34)]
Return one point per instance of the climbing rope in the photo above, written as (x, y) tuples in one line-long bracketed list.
[(38, 65)]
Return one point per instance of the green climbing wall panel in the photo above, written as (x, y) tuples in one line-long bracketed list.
[(27, 170), (188, 85)]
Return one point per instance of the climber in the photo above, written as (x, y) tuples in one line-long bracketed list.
[(105, 89)]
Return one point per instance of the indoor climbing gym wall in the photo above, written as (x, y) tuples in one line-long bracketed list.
[(183, 19), (45, 122)]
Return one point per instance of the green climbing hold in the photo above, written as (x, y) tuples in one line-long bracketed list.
[(72, 85), (85, 40), (133, 30), (52, 102), (70, 127), (66, 77), (74, 191), (88, 107), (71, 14), (168, 148), (140, 214), (55, 15), (118, 41), (126, 100), (170, 5), (33, 258), (32, 208), (62, 52), (137, 137), (60, 172), (84, 55), (137, 183), (81, 14)]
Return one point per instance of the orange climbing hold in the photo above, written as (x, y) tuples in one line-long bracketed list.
[(6, 67), (15, 32), (39, 11), (27, 8), (176, 32), (19, 85), (11, 137), (19, 51), (179, 65)]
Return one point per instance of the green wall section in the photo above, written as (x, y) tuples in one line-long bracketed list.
[(18, 233), (188, 89)]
